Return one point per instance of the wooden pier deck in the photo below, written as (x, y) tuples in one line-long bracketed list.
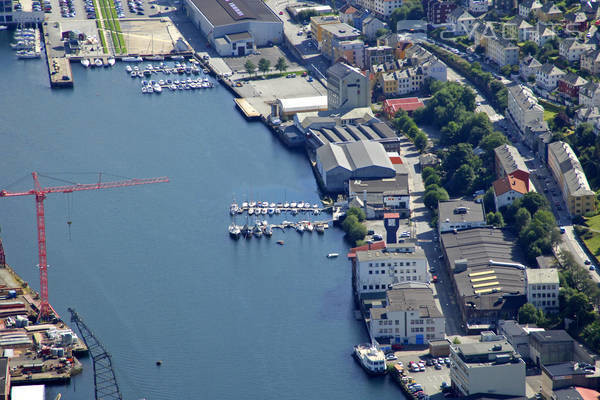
[(247, 109), (60, 72)]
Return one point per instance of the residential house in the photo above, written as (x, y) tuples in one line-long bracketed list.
[(590, 9), (400, 82), (571, 49), (371, 25), (590, 62), (527, 7), (569, 85), (542, 287), (347, 87), (542, 34), (455, 215), (547, 77), (481, 33), (332, 35), (502, 51), (576, 21), (347, 12), (461, 21), (378, 55), (589, 94), (378, 270), (528, 67), (508, 161), (431, 66), (518, 29), (567, 171), (317, 23), (505, 6), (588, 114), (487, 367), (477, 7), (410, 316), (507, 190), (408, 104), (522, 107), (549, 12), (438, 10)]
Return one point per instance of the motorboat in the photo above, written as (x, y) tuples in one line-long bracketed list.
[(332, 255), (161, 82), (286, 205), (157, 88), (233, 208), (270, 211), (132, 59), (252, 204), (177, 57), (128, 68), (150, 89), (316, 211), (144, 89), (300, 228), (85, 62), (293, 205), (268, 231), (234, 231), (23, 54), (246, 231), (172, 87), (111, 62), (3, 27), (265, 204), (309, 227), (98, 62), (278, 211), (133, 74), (371, 358), (263, 211), (320, 228), (257, 231), (154, 58), (272, 205), (250, 211), (245, 204)]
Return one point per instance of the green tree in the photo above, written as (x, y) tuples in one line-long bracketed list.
[(357, 212), (533, 202), (488, 200), (433, 179), (462, 180), (250, 67), (420, 141), (357, 232), (427, 172), (529, 48), (495, 218), (432, 197), (348, 222), (264, 65), (381, 32), (591, 335), (522, 219), (528, 314), (281, 64), (491, 141)]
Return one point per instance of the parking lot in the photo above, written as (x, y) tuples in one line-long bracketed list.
[(431, 379)]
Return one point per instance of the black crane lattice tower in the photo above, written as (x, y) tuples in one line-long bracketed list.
[(105, 381)]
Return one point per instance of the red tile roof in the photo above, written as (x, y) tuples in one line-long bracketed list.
[(587, 394), (406, 104), (396, 160), (508, 183), (391, 215), (366, 247)]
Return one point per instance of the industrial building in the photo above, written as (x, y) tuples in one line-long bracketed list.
[(487, 274), (490, 366), (456, 215), (410, 316), (551, 347), (347, 87), (290, 107), (235, 27), (338, 163)]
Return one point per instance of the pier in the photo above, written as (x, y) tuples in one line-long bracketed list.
[(248, 111), (60, 72)]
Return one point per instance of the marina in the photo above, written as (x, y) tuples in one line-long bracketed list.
[(260, 228)]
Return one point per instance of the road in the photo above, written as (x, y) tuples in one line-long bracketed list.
[(427, 239)]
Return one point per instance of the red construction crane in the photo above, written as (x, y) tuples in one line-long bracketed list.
[(40, 194)]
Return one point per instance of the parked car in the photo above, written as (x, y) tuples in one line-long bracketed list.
[(587, 262)]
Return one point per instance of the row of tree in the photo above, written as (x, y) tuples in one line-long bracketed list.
[(433, 191), (492, 88), (404, 123), (264, 66)]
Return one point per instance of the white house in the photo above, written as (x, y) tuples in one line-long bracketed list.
[(571, 49), (542, 287), (507, 189), (410, 316), (547, 77), (589, 94), (377, 270)]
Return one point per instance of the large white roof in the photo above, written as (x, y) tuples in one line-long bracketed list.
[(301, 104)]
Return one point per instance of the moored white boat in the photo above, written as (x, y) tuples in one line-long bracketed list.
[(371, 358), (111, 61), (132, 59), (98, 62), (85, 62), (332, 255)]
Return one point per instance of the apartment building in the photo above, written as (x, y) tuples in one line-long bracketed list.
[(333, 34), (378, 55), (569, 85), (377, 270), (542, 286), (567, 171), (529, 6), (371, 25), (523, 107), (477, 7), (571, 49), (410, 316), (507, 189), (382, 8), (508, 161), (487, 366), (317, 24), (528, 67), (438, 10), (353, 51), (461, 21), (502, 51)]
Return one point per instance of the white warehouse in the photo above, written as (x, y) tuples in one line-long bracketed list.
[(235, 27)]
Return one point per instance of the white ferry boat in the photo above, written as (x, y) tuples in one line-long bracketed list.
[(371, 358)]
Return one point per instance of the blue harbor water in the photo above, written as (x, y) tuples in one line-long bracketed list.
[(151, 269)]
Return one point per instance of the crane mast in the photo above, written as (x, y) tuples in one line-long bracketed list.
[(40, 195)]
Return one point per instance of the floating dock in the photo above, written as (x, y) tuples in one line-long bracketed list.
[(247, 109)]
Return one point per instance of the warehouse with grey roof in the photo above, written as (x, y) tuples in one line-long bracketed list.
[(235, 27)]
